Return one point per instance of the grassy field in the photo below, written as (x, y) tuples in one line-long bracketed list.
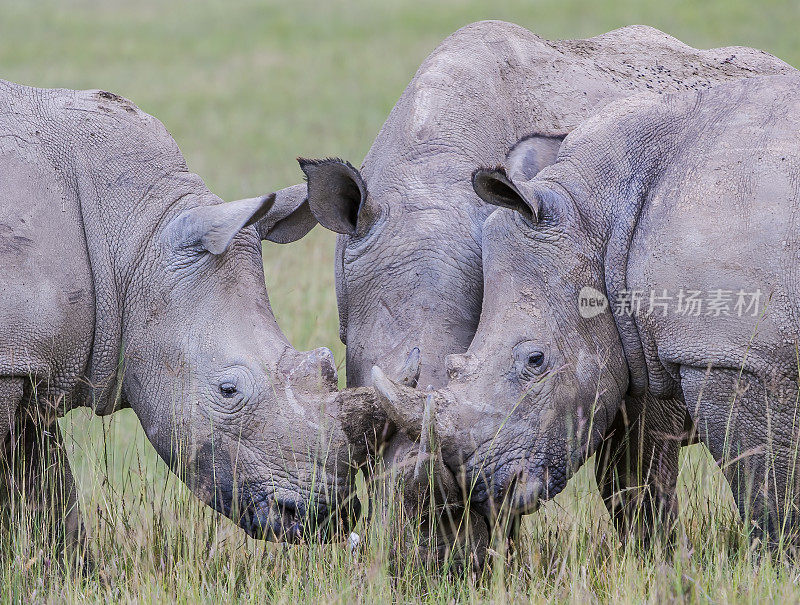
[(245, 87)]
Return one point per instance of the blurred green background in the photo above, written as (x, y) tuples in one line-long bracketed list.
[(246, 86)]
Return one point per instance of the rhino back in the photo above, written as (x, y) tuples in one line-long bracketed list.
[(492, 82)]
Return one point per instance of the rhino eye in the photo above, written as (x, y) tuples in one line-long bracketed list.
[(227, 389), (530, 359), (536, 359)]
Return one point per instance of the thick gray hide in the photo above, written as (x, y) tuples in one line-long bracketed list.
[(693, 192), (126, 282)]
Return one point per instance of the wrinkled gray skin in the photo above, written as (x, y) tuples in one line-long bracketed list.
[(698, 191), (126, 282), (408, 262)]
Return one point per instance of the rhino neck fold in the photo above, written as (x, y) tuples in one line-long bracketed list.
[(635, 153), (624, 208), (615, 266), (111, 277), (126, 183)]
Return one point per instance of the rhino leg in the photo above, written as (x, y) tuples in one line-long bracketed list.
[(11, 390), (637, 467), (37, 472), (752, 429), (11, 393)]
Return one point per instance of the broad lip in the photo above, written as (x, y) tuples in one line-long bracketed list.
[(489, 510), (519, 497), (330, 528), (283, 522), (276, 532)]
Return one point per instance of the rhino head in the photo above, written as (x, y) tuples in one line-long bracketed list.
[(246, 420), (409, 286), (533, 395), (391, 309)]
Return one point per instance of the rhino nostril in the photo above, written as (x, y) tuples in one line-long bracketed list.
[(459, 365), (453, 364)]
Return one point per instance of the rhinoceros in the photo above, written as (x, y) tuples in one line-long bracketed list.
[(657, 262), (126, 283), (408, 260)]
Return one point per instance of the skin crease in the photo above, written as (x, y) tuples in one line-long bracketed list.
[(408, 260), (618, 213), (123, 274)]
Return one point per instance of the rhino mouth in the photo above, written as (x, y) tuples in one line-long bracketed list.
[(282, 523), (288, 519), (293, 522), (516, 492)]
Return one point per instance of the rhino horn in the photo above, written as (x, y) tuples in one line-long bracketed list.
[(429, 469), (409, 375), (363, 421), (402, 404), (361, 414), (427, 440)]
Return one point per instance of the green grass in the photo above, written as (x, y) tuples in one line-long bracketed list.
[(245, 87)]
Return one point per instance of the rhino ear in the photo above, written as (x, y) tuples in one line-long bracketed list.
[(289, 218), (494, 187), (337, 194), (530, 154), (214, 227)]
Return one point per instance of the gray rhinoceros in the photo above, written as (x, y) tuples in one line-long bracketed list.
[(656, 260), (408, 260), (126, 283)]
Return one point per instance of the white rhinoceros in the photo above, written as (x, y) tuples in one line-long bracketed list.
[(125, 282)]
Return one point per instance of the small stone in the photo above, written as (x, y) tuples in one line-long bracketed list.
[(352, 542)]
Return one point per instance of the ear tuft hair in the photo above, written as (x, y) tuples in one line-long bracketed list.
[(310, 162)]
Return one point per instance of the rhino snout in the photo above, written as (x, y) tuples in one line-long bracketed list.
[(282, 522), (512, 494), (293, 522), (523, 494)]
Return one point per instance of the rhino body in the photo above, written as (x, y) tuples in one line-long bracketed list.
[(126, 282), (408, 260), (408, 268), (652, 200)]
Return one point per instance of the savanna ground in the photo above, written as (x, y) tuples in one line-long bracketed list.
[(245, 87)]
